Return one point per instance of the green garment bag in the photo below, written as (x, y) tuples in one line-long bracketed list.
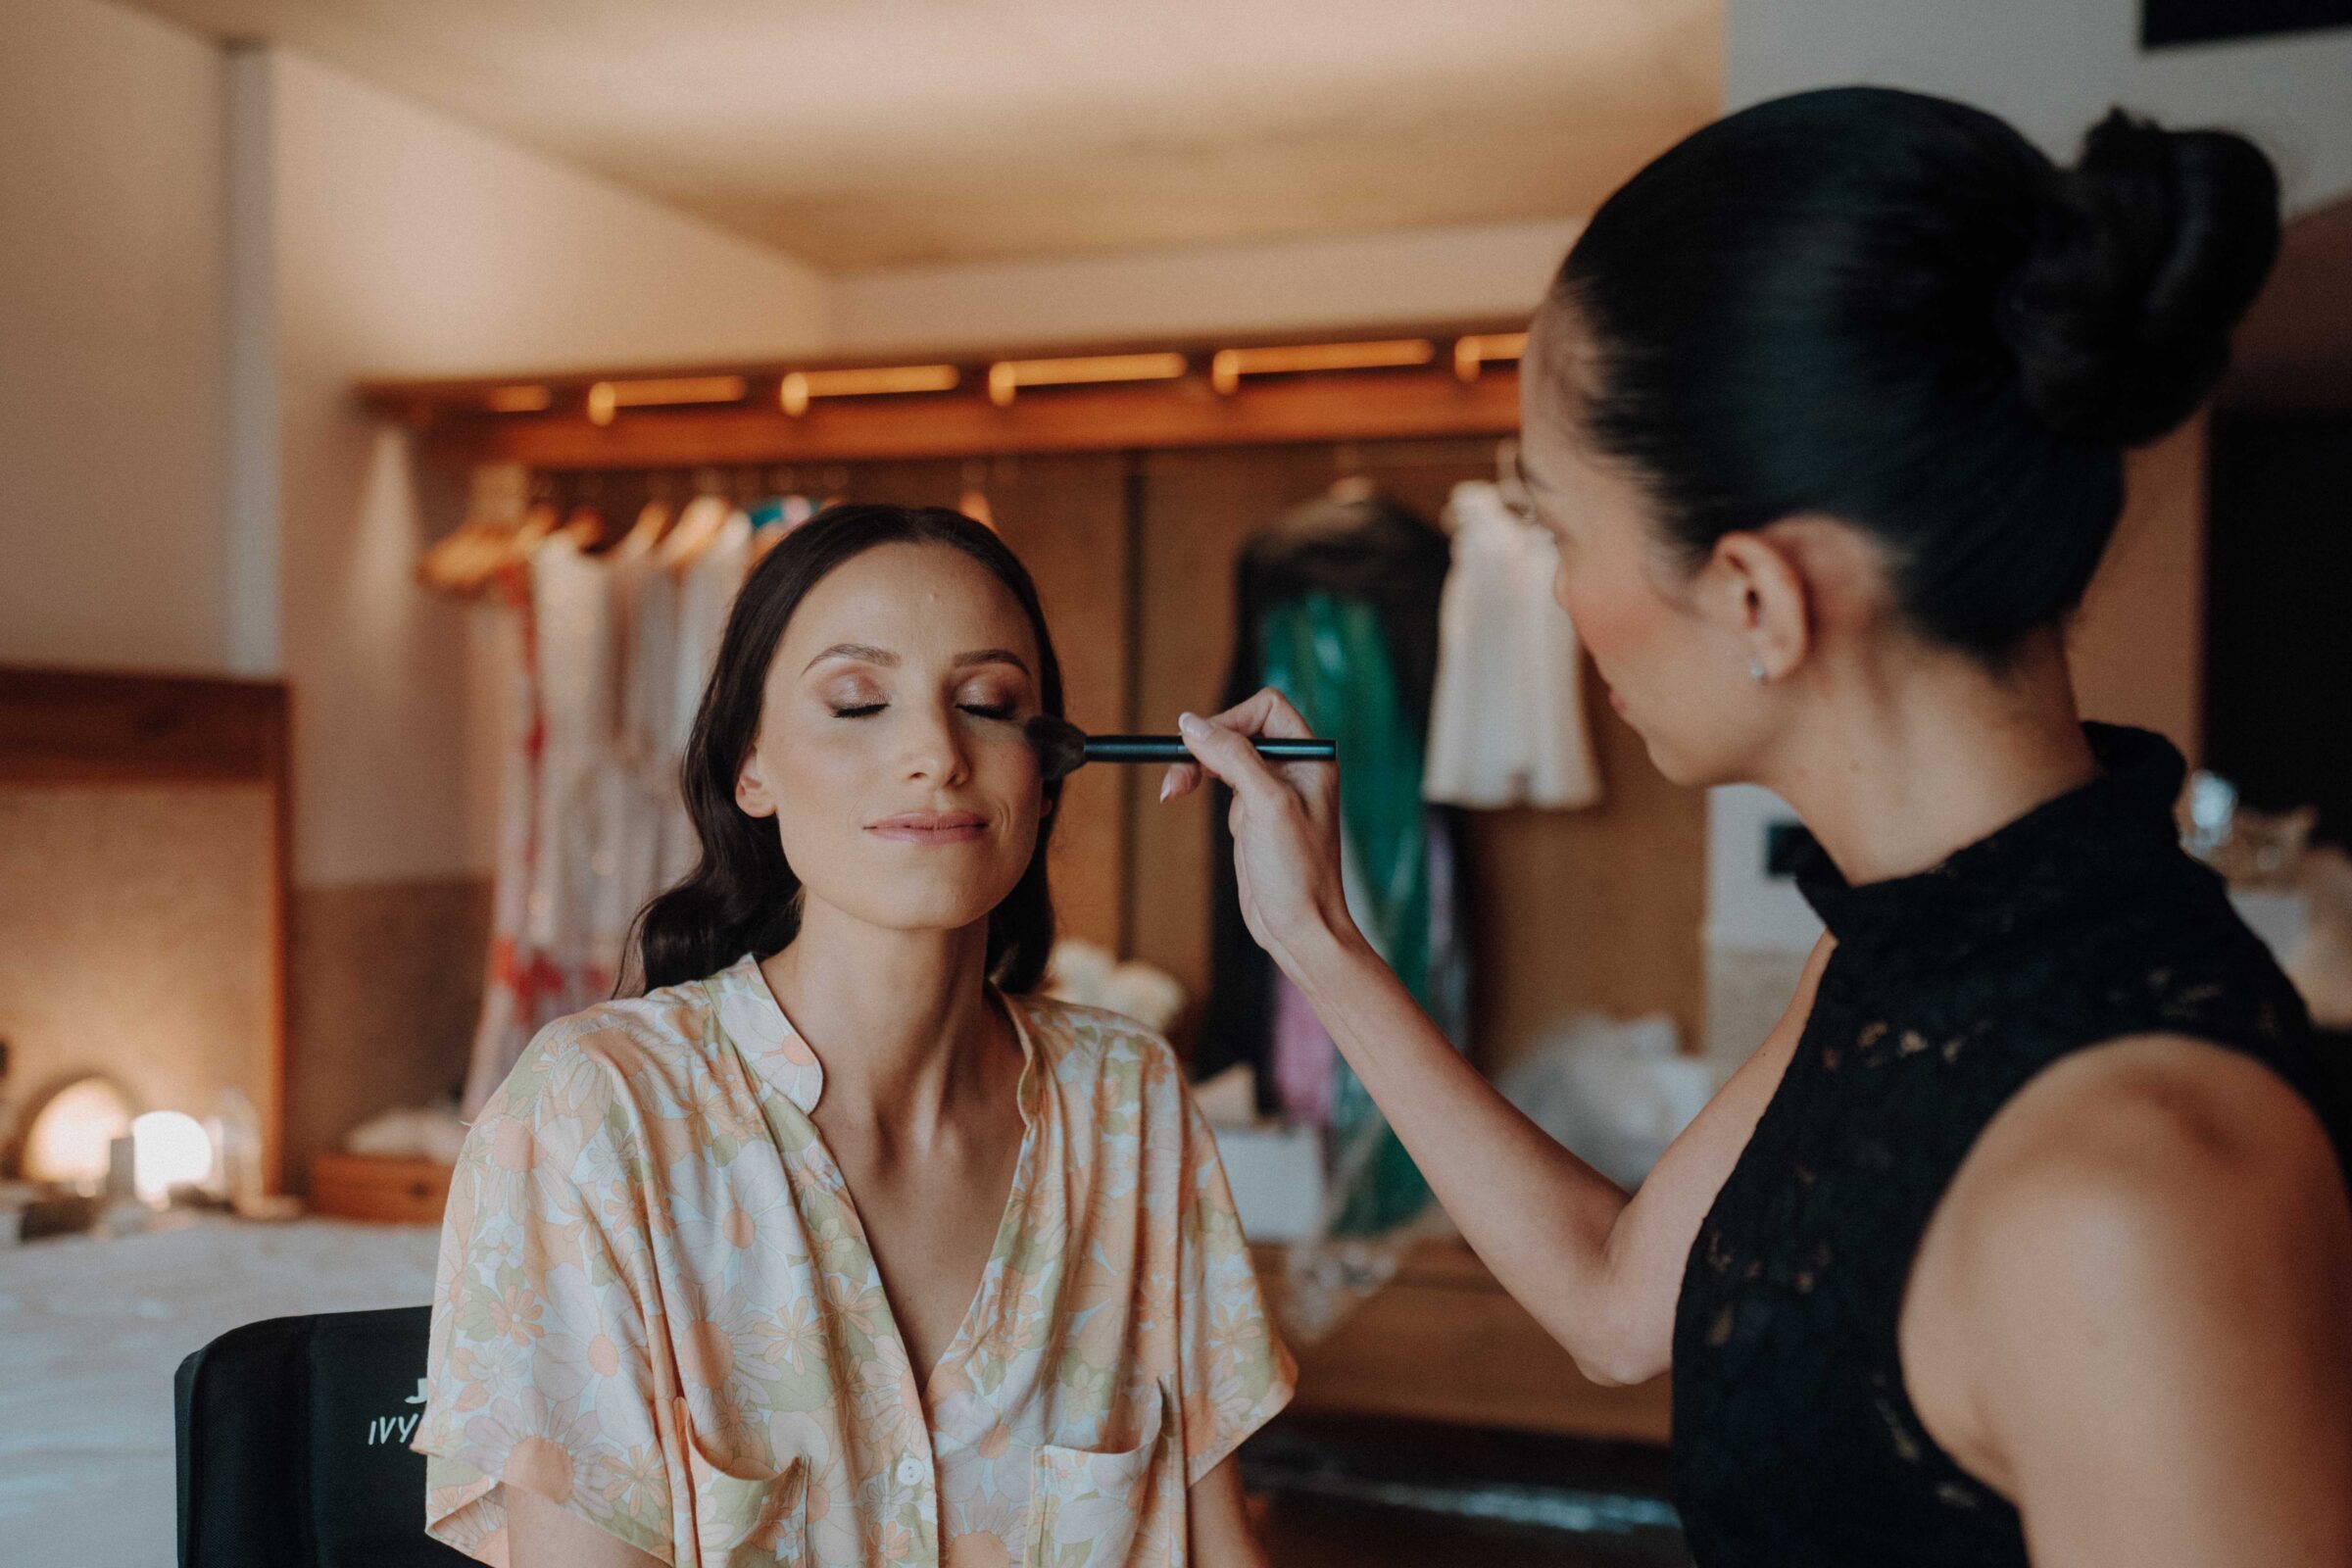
[(1328, 656)]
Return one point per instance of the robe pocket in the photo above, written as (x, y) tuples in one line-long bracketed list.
[(745, 1517), (1086, 1506)]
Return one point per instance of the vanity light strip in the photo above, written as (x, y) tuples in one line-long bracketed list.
[(794, 391), (1006, 377), (1225, 372), (604, 397), (1473, 354)]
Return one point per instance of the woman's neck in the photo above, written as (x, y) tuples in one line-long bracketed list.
[(900, 1020), (1924, 754)]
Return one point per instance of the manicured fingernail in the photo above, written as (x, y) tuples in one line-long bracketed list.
[(1167, 787), (1189, 724)]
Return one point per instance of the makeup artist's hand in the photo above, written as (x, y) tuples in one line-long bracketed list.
[(1285, 819)]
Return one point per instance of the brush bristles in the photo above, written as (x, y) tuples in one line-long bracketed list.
[(1060, 745)]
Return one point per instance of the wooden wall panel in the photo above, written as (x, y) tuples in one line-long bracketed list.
[(387, 984), (1600, 909), (2137, 647)]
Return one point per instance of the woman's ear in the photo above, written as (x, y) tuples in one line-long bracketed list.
[(752, 795), (1759, 593)]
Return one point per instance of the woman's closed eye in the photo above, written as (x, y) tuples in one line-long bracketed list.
[(1003, 711)]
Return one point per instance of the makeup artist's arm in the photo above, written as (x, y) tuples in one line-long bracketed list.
[(1599, 1271)]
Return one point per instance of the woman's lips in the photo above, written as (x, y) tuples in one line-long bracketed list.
[(931, 827)]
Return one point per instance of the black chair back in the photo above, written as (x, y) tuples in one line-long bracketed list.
[(294, 1445)]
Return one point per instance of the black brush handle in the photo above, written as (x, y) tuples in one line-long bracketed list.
[(1171, 748)]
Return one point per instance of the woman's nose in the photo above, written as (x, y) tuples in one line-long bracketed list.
[(935, 748)]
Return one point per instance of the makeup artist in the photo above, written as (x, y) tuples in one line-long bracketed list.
[(2023, 1237)]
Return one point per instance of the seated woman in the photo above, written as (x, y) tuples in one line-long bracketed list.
[(838, 1246)]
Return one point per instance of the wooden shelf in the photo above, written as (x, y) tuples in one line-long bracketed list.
[(547, 421), (397, 1192), (1372, 405), (1442, 1341)]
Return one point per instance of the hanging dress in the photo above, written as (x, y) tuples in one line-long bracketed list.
[(1506, 721)]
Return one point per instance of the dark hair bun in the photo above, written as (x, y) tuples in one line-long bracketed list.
[(2148, 250)]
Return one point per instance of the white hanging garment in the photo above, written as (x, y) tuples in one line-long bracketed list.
[(1506, 722), (633, 810), (511, 1011), (705, 587), (649, 729), (572, 594)]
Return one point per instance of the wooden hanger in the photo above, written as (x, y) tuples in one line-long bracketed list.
[(1353, 486), (697, 526), (652, 522), (473, 554), (585, 529)]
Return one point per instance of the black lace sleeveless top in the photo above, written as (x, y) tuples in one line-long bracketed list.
[(1796, 1442)]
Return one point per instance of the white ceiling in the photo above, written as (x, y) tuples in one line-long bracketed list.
[(858, 133)]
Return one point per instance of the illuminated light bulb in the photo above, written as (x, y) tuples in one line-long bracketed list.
[(71, 1137), (168, 1148)]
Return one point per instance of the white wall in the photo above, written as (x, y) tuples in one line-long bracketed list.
[(410, 244), (166, 430), (2052, 67), (1418, 276), (110, 371)]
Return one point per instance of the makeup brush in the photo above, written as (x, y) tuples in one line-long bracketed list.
[(1064, 748)]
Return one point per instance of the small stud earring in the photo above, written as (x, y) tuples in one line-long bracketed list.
[(1755, 670)]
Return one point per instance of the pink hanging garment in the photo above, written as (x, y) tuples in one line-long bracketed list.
[(1304, 1056)]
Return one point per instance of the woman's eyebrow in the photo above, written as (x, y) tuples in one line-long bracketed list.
[(866, 652), (862, 651), (992, 656)]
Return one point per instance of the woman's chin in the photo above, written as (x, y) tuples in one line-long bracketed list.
[(922, 910), (1690, 767), (1672, 763)]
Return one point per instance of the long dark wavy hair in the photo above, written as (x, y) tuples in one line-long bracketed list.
[(742, 897)]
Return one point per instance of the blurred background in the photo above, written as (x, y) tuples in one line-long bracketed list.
[(393, 391)]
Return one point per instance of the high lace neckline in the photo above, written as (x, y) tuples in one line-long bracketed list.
[(2020, 875)]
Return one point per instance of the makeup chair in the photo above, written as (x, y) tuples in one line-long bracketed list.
[(294, 1445)]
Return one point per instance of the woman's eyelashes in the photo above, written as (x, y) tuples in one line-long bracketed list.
[(999, 709)]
